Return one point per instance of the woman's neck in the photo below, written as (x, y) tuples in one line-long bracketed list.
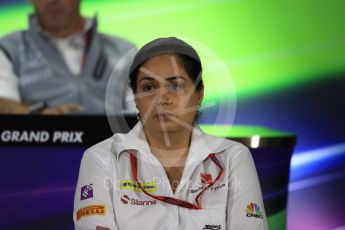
[(171, 148)]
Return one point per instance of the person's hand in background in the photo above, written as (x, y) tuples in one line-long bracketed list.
[(8, 106), (62, 109)]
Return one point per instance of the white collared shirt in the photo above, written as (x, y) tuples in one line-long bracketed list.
[(107, 194)]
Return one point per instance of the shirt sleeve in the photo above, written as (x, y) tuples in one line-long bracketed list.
[(8, 79), (93, 204), (245, 204)]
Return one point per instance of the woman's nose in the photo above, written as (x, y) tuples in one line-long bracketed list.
[(163, 96)]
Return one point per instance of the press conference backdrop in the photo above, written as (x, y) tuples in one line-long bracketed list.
[(287, 63)]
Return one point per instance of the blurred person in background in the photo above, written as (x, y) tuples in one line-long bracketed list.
[(61, 64)]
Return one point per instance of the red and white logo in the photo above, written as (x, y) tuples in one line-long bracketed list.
[(206, 178)]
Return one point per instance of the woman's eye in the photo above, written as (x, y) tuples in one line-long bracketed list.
[(175, 87), (148, 88)]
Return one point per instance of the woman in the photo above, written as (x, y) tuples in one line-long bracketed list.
[(166, 173)]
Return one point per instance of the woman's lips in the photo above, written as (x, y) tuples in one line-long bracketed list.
[(165, 115)]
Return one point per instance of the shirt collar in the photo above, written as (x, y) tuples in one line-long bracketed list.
[(201, 146), (135, 139)]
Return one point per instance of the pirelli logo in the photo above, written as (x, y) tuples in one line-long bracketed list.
[(90, 210)]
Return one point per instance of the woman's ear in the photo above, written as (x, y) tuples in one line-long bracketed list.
[(200, 95)]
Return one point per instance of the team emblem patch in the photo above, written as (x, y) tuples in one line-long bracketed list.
[(86, 192)]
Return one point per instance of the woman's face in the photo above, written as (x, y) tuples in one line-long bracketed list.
[(165, 95)]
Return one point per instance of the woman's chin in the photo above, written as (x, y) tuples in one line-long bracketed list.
[(167, 126)]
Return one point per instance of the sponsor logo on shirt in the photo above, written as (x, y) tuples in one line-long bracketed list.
[(86, 192), (253, 210), (206, 178), (125, 199), (149, 186), (212, 227), (91, 210), (212, 188)]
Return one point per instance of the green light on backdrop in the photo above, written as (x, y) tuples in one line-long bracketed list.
[(266, 45), (238, 131)]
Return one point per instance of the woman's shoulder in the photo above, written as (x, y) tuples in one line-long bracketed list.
[(109, 148), (230, 152), (226, 146), (102, 150)]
